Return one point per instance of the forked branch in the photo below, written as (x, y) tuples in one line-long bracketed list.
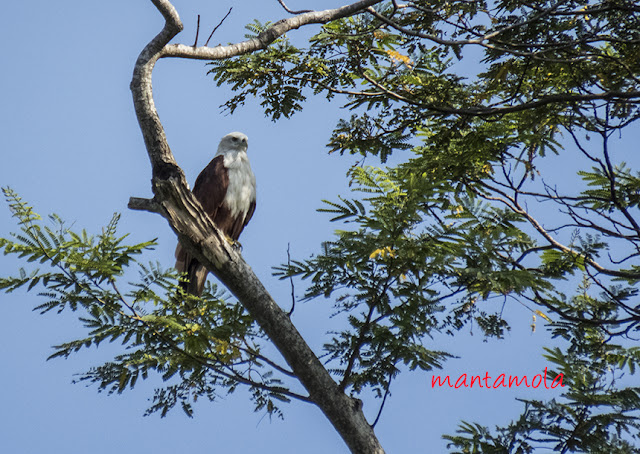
[(197, 233)]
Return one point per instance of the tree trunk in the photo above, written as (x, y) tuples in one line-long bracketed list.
[(199, 235)]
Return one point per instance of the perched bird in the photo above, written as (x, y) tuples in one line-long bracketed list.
[(226, 189)]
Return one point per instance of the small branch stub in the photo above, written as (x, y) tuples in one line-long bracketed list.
[(140, 204)]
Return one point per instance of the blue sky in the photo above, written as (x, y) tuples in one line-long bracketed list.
[(70, 144)]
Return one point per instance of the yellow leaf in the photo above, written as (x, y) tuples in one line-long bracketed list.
[(382, 253), (397, 56), (221, 346), (543, 315)]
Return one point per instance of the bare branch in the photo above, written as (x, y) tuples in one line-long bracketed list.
[(195, 43), (267, 37), (611, 176), (384, 400), (302, 11), (217, 26), (276, 366)]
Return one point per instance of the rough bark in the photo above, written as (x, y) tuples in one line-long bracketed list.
[(198, 234)]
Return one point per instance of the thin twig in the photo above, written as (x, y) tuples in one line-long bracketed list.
[(384, 400), (195, 43), (364, 330), (293, 295), (217, 26), (293, 12), (251, 351)]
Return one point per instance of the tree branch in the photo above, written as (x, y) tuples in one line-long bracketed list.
[(291, 11), (216, 27), (137, 203), (265, 38), (200, 236), (516, 207)]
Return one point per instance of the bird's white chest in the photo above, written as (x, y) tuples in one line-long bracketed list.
[(241, 192)]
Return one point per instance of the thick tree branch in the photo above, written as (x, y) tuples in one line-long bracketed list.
[(265, 38), (200, 237)]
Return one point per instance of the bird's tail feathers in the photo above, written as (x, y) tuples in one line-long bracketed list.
[(196, 273), (197, 276)]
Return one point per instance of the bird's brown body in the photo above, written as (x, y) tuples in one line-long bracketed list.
[(226, 189)]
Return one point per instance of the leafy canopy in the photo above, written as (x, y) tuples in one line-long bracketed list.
[(488, 97)]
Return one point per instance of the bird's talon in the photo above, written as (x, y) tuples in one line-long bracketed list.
[(234, 243)]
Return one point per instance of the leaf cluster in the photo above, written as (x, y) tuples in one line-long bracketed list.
[(198, 346), (462, 223), (552, 63), (394, 273)]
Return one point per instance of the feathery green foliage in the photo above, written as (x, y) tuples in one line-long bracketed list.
[(198, 346), (507, 186), (594, 414), (477, 210)]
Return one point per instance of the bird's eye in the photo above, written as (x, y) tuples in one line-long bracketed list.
[(235, 139)]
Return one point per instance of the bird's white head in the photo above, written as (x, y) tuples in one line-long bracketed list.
[(235, 141)]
